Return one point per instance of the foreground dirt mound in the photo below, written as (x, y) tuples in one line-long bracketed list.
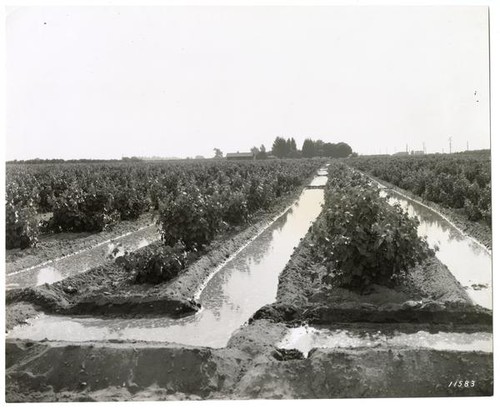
[(106, 290), (251, 367), (369, 373), (52, 368)]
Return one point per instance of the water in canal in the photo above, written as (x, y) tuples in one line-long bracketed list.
[(240, 288), (319, 181), (306, 338)]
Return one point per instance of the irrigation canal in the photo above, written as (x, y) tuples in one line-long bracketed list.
[(467, 260), (241, 287), (250, 279)]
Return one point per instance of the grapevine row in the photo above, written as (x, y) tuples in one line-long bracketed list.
[(459, 181), (194, 199), (360, 237)]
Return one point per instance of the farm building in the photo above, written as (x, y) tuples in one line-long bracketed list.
[(240, 156)]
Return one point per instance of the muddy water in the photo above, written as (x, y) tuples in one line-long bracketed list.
[(240, 288), (467, 260), (319, 180), (306, 338), (82, 260)]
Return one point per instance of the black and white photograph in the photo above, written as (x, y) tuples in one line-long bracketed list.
[(248, 202)]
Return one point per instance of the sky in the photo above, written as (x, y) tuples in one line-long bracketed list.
[(107, 82)]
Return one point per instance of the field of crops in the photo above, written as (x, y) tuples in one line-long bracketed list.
[(459, 181), (194, 200)]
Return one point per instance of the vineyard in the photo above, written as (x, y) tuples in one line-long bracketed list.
[(241, 281), (193, 201), (361, 238), (461, 181)]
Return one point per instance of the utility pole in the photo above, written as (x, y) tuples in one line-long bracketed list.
[(467, 145), (449, 139), (406, 148), (423, 147)]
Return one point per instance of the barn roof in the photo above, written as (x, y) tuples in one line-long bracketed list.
[(240, 155)]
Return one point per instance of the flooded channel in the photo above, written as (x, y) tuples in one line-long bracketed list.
[(319, 181), (240, 288), (467, 260), (306, 338), (81, 261)]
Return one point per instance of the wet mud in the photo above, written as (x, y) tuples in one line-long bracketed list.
[(250, 367)]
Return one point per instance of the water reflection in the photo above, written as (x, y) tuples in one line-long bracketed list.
[(319, 181), (242, 286), (48, 275), (306, 338), (469, 262), (118, 249), (82, 260)]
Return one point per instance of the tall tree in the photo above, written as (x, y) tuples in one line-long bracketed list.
[(318, 147), (280, 147), (342, 150), (308, 148), (292, 153), (329, 149), (262, 152), (218, 153)]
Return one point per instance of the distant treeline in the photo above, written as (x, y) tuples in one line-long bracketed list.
[(477, 152), (282, 148), (53, 161), (287, 148)]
